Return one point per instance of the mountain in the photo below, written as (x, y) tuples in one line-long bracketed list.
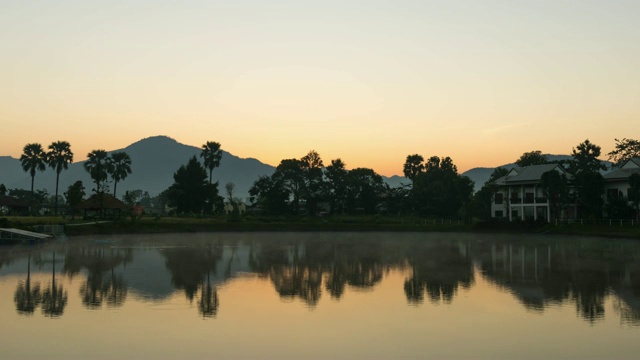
[(154, 160)]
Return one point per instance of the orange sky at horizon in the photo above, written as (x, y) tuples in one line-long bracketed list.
[(367, 82)]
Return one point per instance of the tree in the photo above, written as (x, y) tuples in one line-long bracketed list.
[(365, 189), (59, 157), (32, 160), (556, 188), (3, 190), (314, 180), (211, 155), (74, 195), (291, 174), (190, 192), (531, 158), (268, 193), (625, 149), (119, 168), (336, 174), (585, 158), (413, 166), (588, 181), (634, 192), (589, 189), (439, 191), (98, 166)]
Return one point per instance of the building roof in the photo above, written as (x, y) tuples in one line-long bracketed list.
[(529, 174), (626, 169), (102, 201), (10, 201)]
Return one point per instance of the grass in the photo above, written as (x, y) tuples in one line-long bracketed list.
[(149, 225)]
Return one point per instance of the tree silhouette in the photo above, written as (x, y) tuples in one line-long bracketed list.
[(531, 158), (190, 191), (59, 157), (336, 174), (211, 154), (32, 160), (98, 166), (54, 297), (120, 167), (413, 166), (26, 296), (625, 150), (634, 192)]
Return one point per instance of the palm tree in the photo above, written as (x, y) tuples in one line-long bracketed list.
[(59, 157), (120, 168), (33, 159), (212, 155), (98, 166)]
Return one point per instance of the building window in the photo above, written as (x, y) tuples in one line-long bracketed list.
[(528, 198), (613, 193), (498, 198), (499, 214), (514, 215)]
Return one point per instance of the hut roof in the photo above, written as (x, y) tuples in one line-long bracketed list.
[(102, 201), (10, 201)]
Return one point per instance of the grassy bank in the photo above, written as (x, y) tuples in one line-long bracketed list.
[(151, 225)]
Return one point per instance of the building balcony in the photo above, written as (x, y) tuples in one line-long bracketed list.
[(515, 200)]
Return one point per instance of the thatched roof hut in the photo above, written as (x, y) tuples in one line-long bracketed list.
[(102, 202)]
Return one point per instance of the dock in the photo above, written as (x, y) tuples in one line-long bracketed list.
[(18, 235)]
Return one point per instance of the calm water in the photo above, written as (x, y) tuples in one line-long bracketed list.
[(321, 295)]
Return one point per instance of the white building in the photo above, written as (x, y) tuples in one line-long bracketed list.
[(617, 181), (520, 196)]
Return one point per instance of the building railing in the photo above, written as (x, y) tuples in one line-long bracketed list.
[(515, 200), (541, 200)]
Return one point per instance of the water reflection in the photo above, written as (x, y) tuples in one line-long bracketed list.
[(54, 297), (27, 296), (538, 272)]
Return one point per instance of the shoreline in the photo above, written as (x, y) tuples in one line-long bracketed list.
[(350, 224)]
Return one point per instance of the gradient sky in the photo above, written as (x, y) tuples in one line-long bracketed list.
[(367, 81)]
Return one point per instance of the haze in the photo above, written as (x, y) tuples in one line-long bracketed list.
[(367, 81)]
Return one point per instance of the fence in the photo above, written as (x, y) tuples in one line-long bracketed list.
[(609, 222)]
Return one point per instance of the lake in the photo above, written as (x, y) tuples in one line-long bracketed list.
[(321, 296)]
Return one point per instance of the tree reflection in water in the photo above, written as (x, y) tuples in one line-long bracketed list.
[(538, 273), (438, 269), (54, 298), (27, 297), (98, 288)]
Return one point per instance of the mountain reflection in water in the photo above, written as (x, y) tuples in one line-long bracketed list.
[(540, 272)]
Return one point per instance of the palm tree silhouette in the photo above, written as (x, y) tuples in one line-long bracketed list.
[(32, 160), (120, 168), (212, 155), (59, 157), (98, 166)]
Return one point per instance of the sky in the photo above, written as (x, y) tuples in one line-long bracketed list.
[(369, 82)]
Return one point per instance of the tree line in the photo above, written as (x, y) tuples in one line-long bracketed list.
[(305, 186)]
